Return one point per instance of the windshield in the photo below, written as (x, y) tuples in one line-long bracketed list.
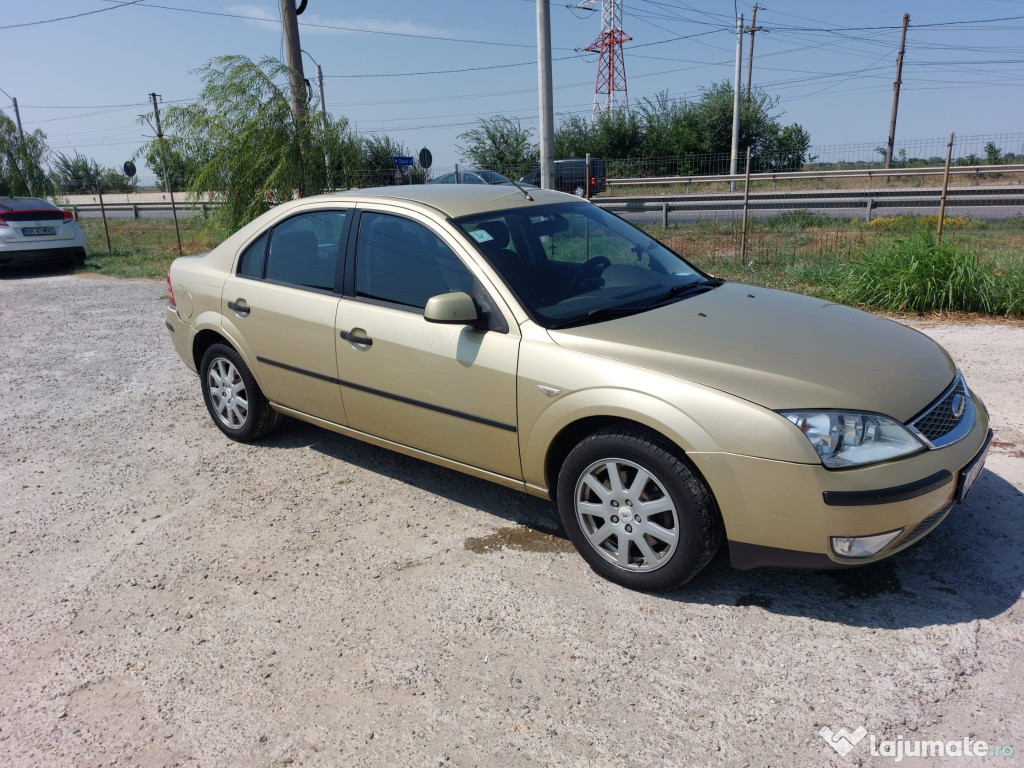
[(493, 178), (575, 262)]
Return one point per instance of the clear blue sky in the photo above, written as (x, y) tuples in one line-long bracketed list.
[(72, 76)]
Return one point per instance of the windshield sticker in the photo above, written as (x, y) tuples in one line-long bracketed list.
[(480, 236)]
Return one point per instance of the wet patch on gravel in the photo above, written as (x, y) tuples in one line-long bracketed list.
[(518, 537)]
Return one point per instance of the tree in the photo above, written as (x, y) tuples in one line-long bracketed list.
[(500, 144), (378, 166), (21, 163), (181, 165), (993, 154), (784, 150), (78, 174), (661, 135), (244, 140)]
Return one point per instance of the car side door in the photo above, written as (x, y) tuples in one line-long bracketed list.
[(449, 390), (280, 304)]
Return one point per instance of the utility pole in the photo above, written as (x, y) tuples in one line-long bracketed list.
[(896, 92), (547, 107), (163, 162), (752, 29), (293, 58), (323, 111), (21, 141), (17, 119), (735, 152)]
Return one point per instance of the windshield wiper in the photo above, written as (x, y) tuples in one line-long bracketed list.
[(601, 313), (604, 313), (685, 290)]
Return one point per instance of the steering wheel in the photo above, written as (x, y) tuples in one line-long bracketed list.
[(592, 268)]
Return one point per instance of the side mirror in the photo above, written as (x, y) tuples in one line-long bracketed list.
[(452, 308)]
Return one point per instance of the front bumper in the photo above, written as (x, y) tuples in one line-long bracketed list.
[(785, 514)]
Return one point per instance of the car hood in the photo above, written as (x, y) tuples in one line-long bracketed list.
[(778, 349)]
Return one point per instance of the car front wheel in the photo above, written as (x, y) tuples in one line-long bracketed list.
[(635, 509), (232, 396)]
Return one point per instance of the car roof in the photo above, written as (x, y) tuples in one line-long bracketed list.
[(453, 200), (25, 204)]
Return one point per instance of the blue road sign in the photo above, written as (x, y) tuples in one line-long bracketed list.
[(399, 161)]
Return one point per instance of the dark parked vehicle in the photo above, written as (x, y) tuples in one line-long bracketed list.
[(472, 177), (571, 176)]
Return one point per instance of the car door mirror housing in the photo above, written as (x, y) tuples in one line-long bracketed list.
[(452, 308)]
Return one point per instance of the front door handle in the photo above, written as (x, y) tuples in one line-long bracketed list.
[(356, 339), (242, 310)]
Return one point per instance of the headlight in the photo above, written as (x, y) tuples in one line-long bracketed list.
[(850, 439)]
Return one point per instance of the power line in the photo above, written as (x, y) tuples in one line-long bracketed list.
[(336, 27), (449, 71), (72, 16)]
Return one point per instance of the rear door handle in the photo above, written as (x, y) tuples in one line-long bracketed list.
[(242, 310), (363, 340)]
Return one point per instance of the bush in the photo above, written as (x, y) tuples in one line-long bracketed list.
[(908, 222), (916, 274)]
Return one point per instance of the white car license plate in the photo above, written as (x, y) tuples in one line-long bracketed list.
[(970, 473), (37, 231)]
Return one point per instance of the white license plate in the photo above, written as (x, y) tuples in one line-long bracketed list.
[(37, 231), (970, 473)]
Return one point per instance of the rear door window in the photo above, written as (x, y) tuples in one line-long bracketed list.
[(304, 250)]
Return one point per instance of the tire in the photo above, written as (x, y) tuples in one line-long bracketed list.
[(671, 543), (233, 398), (579, 191)]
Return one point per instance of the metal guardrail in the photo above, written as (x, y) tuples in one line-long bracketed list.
[(137, 208), (841, 174), (869, 201)]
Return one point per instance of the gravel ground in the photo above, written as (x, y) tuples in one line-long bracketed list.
[(171, 598)]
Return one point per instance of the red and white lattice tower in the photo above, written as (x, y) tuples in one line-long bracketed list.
[(610, 91)]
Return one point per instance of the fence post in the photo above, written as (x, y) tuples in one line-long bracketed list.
[(586, 181), (103, 213), (664, 215), (135, 211), (174, 212), (867, 210), (945, 187), (746, 200)]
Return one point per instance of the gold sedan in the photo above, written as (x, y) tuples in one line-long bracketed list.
[(533, 339)]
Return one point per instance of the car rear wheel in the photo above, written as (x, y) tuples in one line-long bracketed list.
[(234, 400), (635, 509)]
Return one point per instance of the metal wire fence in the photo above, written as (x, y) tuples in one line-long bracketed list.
[(771, 224)]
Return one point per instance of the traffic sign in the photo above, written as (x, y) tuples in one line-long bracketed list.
[(400, 161), (425, 158)]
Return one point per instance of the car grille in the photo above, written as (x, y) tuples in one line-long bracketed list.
[(923, 527), (940, 419)]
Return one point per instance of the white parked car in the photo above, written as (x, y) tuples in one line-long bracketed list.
[(34, 231)]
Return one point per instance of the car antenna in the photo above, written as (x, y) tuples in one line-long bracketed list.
[(523, 190)]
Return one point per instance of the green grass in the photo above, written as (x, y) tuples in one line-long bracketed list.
[(889, 263), (145, 247)]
